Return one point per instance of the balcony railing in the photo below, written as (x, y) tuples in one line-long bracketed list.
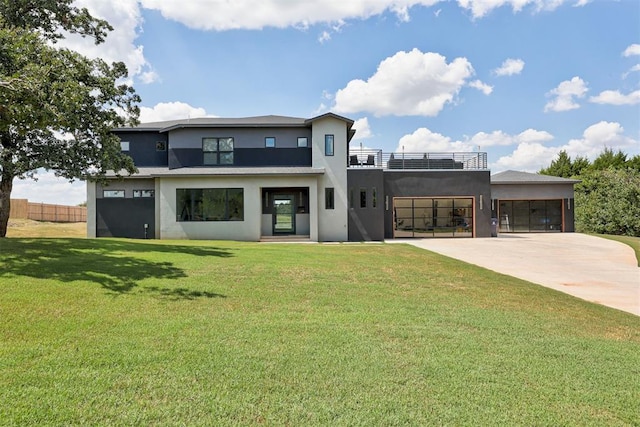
[(449, 161)]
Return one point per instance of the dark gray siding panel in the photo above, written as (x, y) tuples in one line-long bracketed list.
[(244, 157), (366, 223), (272, 157), (185, 157), (441, 183), (143, 148), (125, 218)]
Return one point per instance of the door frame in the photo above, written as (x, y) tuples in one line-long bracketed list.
[(292, 199)]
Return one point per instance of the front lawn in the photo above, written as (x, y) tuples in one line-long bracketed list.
[(124, 332)]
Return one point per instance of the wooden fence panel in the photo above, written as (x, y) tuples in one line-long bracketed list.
[(47, 212), (19, 209)]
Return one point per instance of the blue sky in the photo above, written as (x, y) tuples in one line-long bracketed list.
[(519, 79)]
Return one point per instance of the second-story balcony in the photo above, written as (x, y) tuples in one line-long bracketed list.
[(367, 158)]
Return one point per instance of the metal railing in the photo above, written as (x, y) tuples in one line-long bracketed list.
[(449, 161)]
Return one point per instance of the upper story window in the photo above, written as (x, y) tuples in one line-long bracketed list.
[(113, 194), (328, 145), (124, 145), (217, 151), (303, 142), (270, 142)]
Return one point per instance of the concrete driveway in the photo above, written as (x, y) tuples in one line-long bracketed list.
[(592, 268)]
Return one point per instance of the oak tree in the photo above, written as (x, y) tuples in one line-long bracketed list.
[(57, 107)]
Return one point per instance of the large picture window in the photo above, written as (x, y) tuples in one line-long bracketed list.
[(217, 151), (210, 204)]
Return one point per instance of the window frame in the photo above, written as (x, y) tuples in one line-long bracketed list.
[(270, 142), (140, 194), (199, 199), (363, 198), (113, 194), (329, 145), (329, 198), (125, 146), (306, 142), (218, 153)]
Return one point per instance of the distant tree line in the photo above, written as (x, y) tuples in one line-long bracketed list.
[(607, 199)]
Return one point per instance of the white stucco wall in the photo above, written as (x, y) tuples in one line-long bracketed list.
[(250, 228), (332, 223)]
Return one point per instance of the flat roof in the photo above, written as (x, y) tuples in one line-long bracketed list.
[(516, 177)]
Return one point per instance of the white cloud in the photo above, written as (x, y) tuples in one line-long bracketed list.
[(363, 131), (631, 70), (424, 140), (221, 15), (614, 97), (407, 83), (599, 136), (631, 50), (126, 19), (565, 94), (480, 8), (325, 36), (532, 154), (50, 189), (527, 157), (482, 87), (510, 67), (170, 111)]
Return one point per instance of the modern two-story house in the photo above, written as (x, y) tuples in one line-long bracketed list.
[(264, 177)]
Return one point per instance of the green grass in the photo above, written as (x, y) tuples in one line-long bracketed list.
[(634, 242), (120, 332)]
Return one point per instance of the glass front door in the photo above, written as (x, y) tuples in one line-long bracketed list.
[(284, 214)]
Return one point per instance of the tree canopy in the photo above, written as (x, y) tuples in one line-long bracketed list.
[(57, 107)]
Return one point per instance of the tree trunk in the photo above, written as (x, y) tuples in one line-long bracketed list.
[(6, 185)]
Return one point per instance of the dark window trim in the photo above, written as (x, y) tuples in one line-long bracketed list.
[(329, 138), (218, 152), (363, 198), (188, 216), (329, 198)]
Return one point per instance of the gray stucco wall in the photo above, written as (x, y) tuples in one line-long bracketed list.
[(435, 183), (242, 138), (366, 223), (532, 191)]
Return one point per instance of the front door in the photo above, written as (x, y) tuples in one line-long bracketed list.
[(284, 214)]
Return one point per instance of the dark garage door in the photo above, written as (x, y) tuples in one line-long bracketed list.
[(125, 218), (523, 216)]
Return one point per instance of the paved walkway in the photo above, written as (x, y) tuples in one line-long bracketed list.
[(592, 268)]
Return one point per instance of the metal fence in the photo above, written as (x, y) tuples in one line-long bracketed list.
[(414, 160), (23, 209)]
